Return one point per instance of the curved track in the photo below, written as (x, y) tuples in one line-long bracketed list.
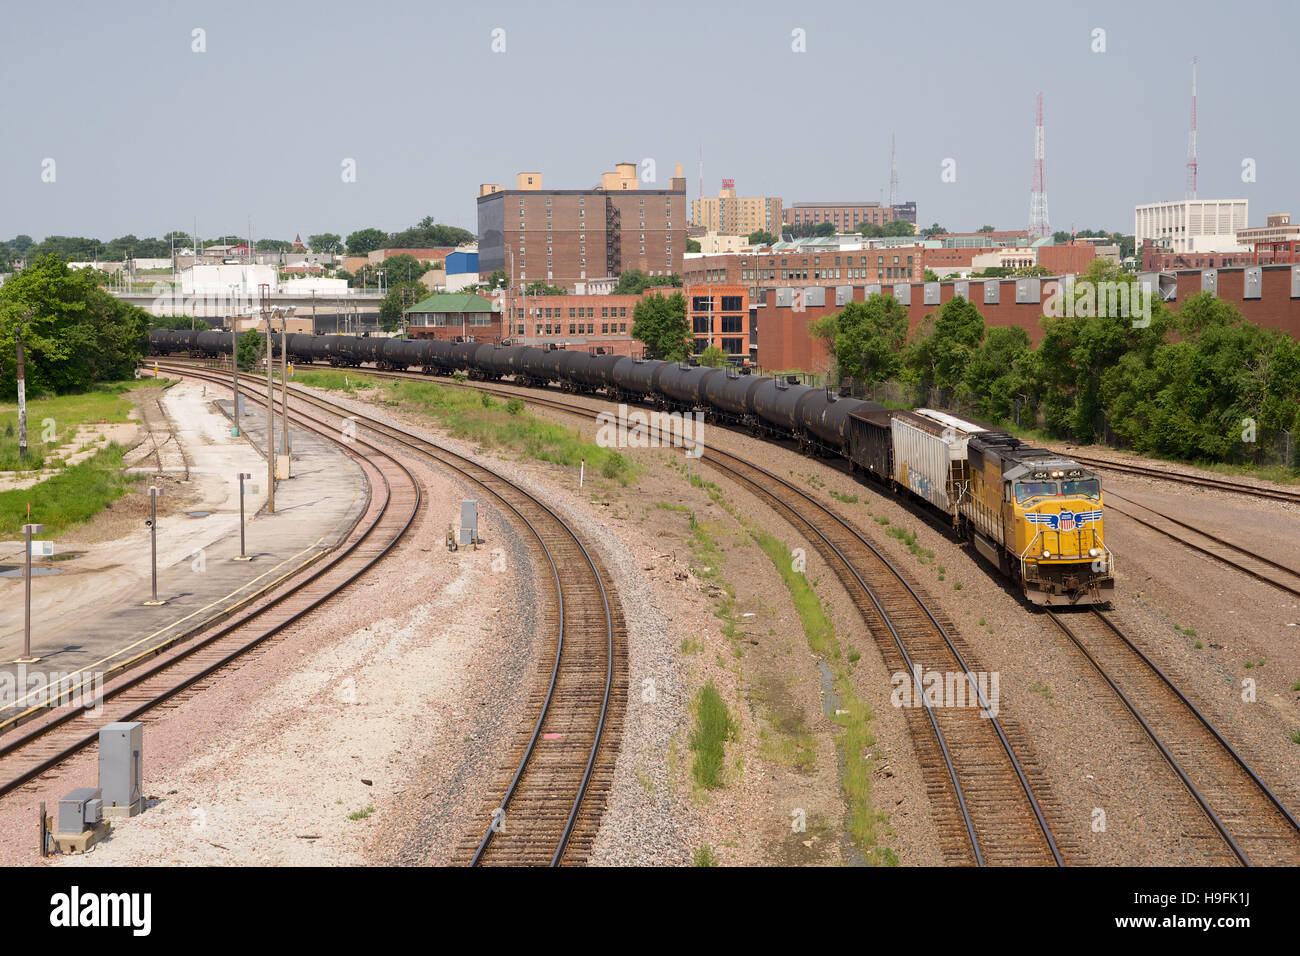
[(1248, 562), (553, 785), (1252, 823), (985, 802), (136, 694), (1185, 478)]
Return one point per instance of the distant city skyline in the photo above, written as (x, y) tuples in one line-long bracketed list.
[(146, 135)]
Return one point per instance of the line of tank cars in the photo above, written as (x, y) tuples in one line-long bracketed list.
[(1034, 514)]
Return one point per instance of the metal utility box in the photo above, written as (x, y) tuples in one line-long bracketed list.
[(79, 810), (468, 522), (121, 756), (281, 467)]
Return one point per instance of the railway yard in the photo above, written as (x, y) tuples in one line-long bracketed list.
[(715, 656)]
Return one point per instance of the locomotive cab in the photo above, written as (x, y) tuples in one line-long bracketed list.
[(1056, 510)]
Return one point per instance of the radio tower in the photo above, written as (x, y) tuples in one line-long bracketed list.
[(893, 173), (1038, 195), (1190, 191)]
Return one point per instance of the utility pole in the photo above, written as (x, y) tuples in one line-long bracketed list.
[(264, 296), (28, 530), (22, 395), (284, 386)]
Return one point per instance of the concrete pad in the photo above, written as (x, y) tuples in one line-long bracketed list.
[(91, 618)]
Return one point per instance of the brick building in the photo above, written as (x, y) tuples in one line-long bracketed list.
[(719, 316), (1266, 295), (568, 236), (731, 215), (845, 216)]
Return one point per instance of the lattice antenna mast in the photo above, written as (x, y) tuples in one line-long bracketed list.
[(893, 172), (1038, 223), (1190, 190)]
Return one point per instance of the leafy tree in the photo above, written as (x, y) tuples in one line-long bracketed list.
[(427, 235), (760, 237), (74, 332), (250, 347), (986, 229), (364, 241), (498, 279), (273, 245), (403, 267), (713, 357), (692, 245), (869, 337), (934, 230), (930, 276), (897, 227), (945, 344), (823, 229), (871, 230), (660, 323), (634, 282), (1001, 374), (177, 322), (327, 242), (397, 298), (993, 272), (538, 287), (1032, 271)]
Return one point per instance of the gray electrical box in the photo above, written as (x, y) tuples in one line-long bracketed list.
[(468, 522), (121, 755), (903, 293), (961, 288), (79, 810), (930, 293), (992, 291)]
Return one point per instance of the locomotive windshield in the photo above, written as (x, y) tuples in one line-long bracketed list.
[(1033, 489), (1087, 488)]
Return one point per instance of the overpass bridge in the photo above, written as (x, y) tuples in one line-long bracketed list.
[(355, 310)]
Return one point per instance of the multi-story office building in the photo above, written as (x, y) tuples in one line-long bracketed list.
[(1190, 225), (847, 216), (719, 316), (568, 236), (731, 215)]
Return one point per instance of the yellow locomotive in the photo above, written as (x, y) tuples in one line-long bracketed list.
[(1034, 514)]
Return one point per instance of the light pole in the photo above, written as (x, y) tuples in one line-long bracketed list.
[(284, 384), (28, 530), (242, 556), (154, 492), (264, 295), (234, 358)]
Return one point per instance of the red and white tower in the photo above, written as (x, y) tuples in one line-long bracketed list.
[(1038, 194), (1190, 190)]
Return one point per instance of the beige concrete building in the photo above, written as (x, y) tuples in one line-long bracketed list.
[(1191, 225), (731, 215), (1279, 229)]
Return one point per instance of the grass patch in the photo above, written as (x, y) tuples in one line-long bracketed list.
[(105, 403), (847, 499), (714, 726), (855, 715), (72, 497), (704, 856), (476, 416), (361, 814), (924, 555)]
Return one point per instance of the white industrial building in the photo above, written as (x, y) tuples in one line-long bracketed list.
[(217, 280), (1191, 225)]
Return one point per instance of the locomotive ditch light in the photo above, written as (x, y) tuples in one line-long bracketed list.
[(1093, 552), (1047, 554)]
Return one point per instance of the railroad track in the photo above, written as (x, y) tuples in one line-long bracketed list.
[(1182, 477), (1251, 563), (140, 693), (986, 805), (1251, 824), (553, 785)]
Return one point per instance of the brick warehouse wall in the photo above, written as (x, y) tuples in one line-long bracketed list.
[(783, 341)]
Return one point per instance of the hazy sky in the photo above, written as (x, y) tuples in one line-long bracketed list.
[(146, 135)]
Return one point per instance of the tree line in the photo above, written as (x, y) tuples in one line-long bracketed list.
[(1200, 384), (424, 235), (74, 332)]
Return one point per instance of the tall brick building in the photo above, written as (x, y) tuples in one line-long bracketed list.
[(568, 236)]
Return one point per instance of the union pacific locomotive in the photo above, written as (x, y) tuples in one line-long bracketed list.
[(1035, 515)]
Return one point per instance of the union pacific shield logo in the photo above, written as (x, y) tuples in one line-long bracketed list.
[(1065, 521)]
